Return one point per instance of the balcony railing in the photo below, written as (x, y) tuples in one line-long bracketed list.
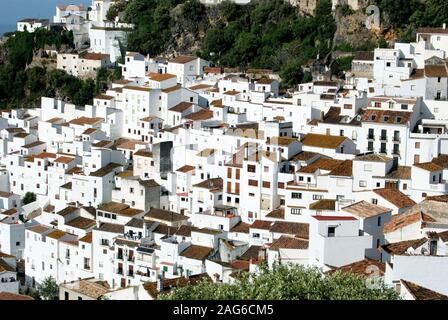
[(383, 138), (370, 137), (383, 151), (396, 139), (396, 152), (120, 271)]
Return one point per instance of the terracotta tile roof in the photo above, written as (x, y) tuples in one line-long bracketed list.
[(137, 88), (128, 144), (433, 30), (278, 213), (428, 166), (441, 160), (322, 141), (396, 197), (362, 268), (241, 227), (345, 169), (364, 209), (436, 71), (214, 184), (143, 153), (111, 227), (186, 168), (422, 293), (289, 243), (217, 103), (66, 211), (324, 204), (161, 76), (184, 231), (56, 234), (365, 56), (104, 97), (373, 157), (280, 141), (87, 238), (232, 93), (182, 59), (401, 173), (203, 114), (251, 253), (4, 194), (168, 284), (304, 156), (400, 248), (5, 267), (172, 89), (64, 160), (88, 288), (105, 170), (12, 296), (326, 83), (102, 143), (89, 131), (33, 144), (400, 221), (261, 224), (94, 56), (86, 121), (206, 152), (166, 230), (386, 116), (164, 215), (81, 223), (265, 81), (181, 107), (300, 230), (200, 86), (113, 207), (327, 164), (196, 252)]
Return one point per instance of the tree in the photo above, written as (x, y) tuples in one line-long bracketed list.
[(286, 282), (292, 73), (49, 289), (29, 197)]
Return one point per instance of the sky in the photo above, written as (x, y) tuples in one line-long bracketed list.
[(13, 10)]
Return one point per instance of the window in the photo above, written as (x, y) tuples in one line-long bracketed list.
[(379, 221), (296, 211), (417, 145), (331, 231), (296, 195), (253, 183), (266, 184), (251, 168), (367, 167), (362, 183), (374, 201), (317, 197)]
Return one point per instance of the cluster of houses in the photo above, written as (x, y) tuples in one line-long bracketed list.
[(183, 171)]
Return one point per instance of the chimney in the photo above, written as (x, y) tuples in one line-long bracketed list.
[(444, 26), (160, 282)]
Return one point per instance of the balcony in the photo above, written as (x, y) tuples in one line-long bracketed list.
[(383, 151), (383, 138), (130, 274), (396, 139), (120, 256), (131, 259), (120, 271), (370, 137), (396, 152)]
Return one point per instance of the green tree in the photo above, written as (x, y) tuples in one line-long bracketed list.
[(286, 282), (49, 289), (292, 73), (29, 197)]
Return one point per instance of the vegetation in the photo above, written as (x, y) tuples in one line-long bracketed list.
[(29, 198), (22, 85), (286, 282), (263, 34), (49, 289)]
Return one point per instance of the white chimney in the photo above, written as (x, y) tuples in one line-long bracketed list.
[(444, 26)]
